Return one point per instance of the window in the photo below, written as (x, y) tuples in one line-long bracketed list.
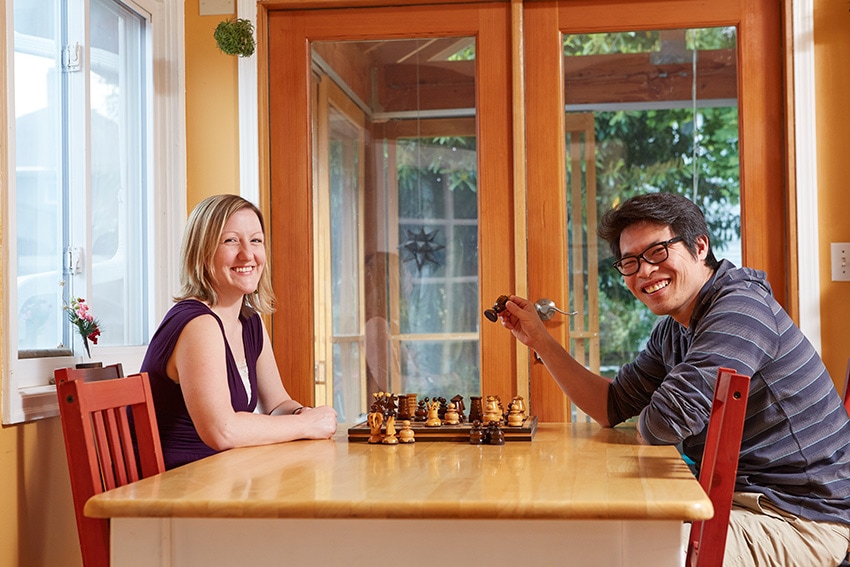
[(85, 116)]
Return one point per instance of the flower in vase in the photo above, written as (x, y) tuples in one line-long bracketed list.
[(80, 315)]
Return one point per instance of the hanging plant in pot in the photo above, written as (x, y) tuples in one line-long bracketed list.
[(235, 37)]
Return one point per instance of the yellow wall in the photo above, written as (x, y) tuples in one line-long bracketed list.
[(37, 526), (212, 121), (832, 68)]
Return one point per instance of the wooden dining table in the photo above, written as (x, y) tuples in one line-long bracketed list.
[(576, 494)]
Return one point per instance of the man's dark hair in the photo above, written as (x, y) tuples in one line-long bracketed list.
[(683, 217)]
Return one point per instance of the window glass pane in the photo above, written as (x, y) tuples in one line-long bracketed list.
[(672, 126), (38, 174), (405, 272), (117, 173)]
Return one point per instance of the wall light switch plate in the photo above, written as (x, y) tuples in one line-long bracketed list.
[(840, 261), (216, 7)]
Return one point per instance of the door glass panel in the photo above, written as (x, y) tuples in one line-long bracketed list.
[(646, 111), (398, 244)]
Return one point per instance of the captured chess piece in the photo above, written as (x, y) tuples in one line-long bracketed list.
[(375, 420), (452, 417), (390, 437), (433, 414), (476, 434), (406, 434), (493, 313), (495, 435)]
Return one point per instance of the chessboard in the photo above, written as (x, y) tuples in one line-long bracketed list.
[(453, 433)]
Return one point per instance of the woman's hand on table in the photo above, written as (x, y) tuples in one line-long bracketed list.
[(321, 422)]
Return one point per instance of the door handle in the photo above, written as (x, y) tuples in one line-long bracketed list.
[(546, 309)]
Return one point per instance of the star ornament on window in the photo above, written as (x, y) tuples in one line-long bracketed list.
[(421, 248)]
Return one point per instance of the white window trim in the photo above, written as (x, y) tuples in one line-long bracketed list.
[(167, 149), (805, 140)]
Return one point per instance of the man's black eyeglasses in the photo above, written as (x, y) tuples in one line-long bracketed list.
[(654, 254)]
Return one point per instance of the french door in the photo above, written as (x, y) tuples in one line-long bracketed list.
[(425, 159), (385, 249), (683, 96)]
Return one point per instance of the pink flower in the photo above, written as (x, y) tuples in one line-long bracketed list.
[(87, 325)]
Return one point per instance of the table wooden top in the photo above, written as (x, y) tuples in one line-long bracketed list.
[(569, 471)]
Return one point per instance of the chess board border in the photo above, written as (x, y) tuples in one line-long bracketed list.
[(360, 432)]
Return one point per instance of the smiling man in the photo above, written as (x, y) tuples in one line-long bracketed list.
[(792, 500)]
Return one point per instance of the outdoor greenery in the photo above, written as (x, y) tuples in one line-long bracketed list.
[(692, 151)]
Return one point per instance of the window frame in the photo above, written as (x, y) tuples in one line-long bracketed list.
[(27, 392)]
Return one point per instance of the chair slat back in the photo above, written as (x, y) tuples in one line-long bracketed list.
[(719, 467), (93, 374), (99, 446)]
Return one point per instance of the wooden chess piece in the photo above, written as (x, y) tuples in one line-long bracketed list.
[(375, 420), (495, 435), (433, 414), (451, 415), (515, 417), (460, 407), (476, 412), (476, 434), (519, 400), (492, 412), (421, 413), (403, 408), (406, 434), (390, 437)]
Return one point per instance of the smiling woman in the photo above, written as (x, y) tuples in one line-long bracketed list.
[(214, 379)]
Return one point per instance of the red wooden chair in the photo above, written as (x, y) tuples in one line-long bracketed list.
[(847, 387), (99, 446), (719, 467)]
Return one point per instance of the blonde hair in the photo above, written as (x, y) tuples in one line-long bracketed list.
[(200, 241)]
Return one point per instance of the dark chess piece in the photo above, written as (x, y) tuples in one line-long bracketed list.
[(476, 411), (495, 435), (476, 434), (498, 307), (421, 413), (443, 407), (403, 408)]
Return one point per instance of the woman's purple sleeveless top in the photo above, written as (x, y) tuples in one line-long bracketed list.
[(180, 441)]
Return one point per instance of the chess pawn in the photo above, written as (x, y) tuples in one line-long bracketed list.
[(495, 435), (476, 434), (515, 418), (375, 420), (475, 410), (451, 415), (406, 434), (492, 413), (520, 403), (421, 413), (390, 438), (433, 414), (460, 407)]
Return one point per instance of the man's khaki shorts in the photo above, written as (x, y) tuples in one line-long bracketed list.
[(762, 535)]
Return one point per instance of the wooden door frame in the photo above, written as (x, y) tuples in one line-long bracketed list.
[(765, 192), (289, 33)]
